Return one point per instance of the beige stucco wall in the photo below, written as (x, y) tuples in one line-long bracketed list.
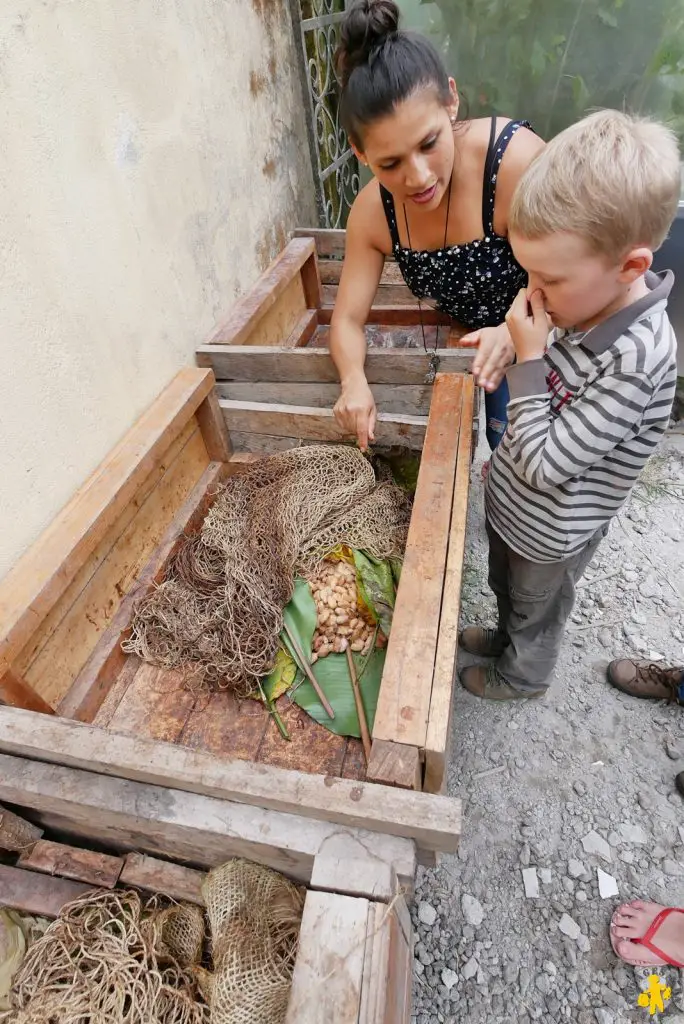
[(153, 158)]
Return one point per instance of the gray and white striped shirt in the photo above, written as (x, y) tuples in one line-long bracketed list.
[(583, 421)]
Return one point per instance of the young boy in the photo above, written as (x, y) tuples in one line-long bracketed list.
[(589, 402)]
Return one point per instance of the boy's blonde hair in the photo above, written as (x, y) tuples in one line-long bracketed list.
[(612, 178)]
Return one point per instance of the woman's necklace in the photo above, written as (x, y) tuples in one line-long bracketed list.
[(434, 358)]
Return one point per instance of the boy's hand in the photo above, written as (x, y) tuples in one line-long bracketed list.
[(494, 355), (529, 325)]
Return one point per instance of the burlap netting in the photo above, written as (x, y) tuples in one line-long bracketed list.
[(219, 610), (110, 959), (254, 915)]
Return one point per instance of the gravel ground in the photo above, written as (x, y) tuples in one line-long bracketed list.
[(563, 788)]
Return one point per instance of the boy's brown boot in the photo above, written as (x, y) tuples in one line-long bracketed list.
[(483, 642), (644, 679)]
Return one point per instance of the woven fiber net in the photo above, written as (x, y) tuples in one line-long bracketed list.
[(219, 609), (110, 959), (255, 915)]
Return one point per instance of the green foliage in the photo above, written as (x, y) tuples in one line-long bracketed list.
[(551, 61)]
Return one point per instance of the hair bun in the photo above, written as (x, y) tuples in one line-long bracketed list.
[(367, 24)]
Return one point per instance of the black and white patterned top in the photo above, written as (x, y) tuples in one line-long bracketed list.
[(474, 283)]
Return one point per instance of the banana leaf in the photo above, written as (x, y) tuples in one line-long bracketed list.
[(332, 673), (375, 583)]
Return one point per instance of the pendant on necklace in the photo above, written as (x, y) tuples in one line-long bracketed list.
[(432, 369)]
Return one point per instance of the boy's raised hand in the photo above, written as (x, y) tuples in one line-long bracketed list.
[(529, 325)]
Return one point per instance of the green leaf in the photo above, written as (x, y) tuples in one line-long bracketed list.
[(300, 616), (282, 677), (607, 17), (375, 583), (332, 673)]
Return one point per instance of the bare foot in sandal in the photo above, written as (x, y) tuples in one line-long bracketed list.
[(647, 934)]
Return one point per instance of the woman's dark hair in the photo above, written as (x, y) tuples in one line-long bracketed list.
[(380, 66)]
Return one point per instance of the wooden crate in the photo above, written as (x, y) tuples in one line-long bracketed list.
[(354, 961)]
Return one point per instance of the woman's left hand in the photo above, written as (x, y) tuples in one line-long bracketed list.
[(495, 354)]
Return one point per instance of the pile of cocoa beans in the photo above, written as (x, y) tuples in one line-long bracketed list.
[(339, 622)]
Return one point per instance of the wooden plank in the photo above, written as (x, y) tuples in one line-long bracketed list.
[(222, 725), (162, 876), (303, 331), (250, 311), (404, 699), (439, 719), (92, 684), (388, 967), (16, 834), (37, 894), (267, 363), (331, 271), (311, 281), (63, 656), (15, 691), (263, 444), (35, 584), (395, 764), (317, 424), (117, 691), (397, 1009), (434, 822), (344, 866), (97, 869), (311, 748), (202, 831), (213, 428), (328, 241), (397, 399), (156, 705), (328, 973)]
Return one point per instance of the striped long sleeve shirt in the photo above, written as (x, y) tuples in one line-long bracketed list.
[(583, 421)]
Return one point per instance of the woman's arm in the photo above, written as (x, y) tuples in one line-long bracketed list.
[(361, 272)]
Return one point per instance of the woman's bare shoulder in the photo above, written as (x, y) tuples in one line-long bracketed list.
[(367, 219)]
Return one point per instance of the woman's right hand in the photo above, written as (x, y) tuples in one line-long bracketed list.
[(355, 411)]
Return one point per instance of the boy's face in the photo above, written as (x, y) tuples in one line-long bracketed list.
[(580, 287)]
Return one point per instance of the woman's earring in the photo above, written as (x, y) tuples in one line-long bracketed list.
[(453, 120)]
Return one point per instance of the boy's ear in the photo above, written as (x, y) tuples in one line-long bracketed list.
[(636, 263)]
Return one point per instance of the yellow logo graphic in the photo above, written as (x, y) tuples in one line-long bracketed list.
[(652, 998)]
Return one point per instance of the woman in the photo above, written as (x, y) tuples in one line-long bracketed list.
[(438, 202)]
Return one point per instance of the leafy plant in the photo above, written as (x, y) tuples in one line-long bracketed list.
[(551, 61)]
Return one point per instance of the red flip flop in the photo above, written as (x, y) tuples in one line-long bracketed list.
[(645, 940)]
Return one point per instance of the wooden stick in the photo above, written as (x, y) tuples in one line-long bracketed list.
[(360, 710), (306, 668)]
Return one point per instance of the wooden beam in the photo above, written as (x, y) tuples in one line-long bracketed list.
[(389, 313), (395, 764), (247, 312), (396, 399), (86, 694), (328, 973), (433, 822), (314, 365), (317, 424), (97, 869), (37, 894), (343, 865), (404, 700), (311, 280), (331, 271), (16, 692), (328, 241), (441, 700), (34, 585), (16, 834), (202, 831), (154, 875), (213, 428), (303, 331)]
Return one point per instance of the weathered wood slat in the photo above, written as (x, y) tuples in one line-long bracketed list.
[(404, 700), (262, 297), (154, 875), (314, 365), (98, 675), (33, 586), (397, 399), (328, 241), (328, 974), (331, 271), (389, 315), (16, 834), (16, 692), (441, 699), (200, 830), (395, 764), (303, 331), (49, 858), (213, 429), (433, 822), (316, 424), (37, 894)]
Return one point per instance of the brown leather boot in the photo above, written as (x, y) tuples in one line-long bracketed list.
[(643, 679), (485, 681), (483, 642)]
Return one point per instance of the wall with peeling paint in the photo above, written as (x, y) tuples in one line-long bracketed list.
[(153, 161)]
